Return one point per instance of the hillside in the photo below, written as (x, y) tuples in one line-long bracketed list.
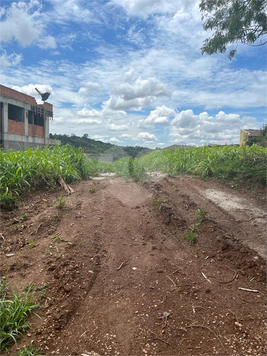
[(98, 147)]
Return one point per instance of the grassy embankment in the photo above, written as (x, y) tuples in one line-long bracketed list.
[(237, 165), (32, 168)]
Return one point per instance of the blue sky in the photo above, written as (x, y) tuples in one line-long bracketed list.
[(130, 72)]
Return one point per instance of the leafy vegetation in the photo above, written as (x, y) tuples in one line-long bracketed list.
[(233, 21), (29, 351), (31, 168), (228, 163), (14, 309), (260, 140)]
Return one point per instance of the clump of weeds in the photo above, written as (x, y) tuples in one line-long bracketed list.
[(58, 238), (29, 351), (31, 243), (92, 189), (15, 308), (60, 202), (191, 237), (202, 215)]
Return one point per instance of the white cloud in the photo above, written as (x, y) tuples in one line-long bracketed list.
[(142, 93), (89, 113), (188, 127), (159, 116), (126, 136), (114, 140), (144, 8), (115, 103), (144, 136), (10, 60), (47, 42), (141, 88), (85, 121), (88, 88), (22, 23), (30, 89), (114, 127)]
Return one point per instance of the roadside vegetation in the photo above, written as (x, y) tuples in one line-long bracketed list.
[(32, 168), (234, 164)]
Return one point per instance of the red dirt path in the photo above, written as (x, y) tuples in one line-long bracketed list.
[(116, 275)]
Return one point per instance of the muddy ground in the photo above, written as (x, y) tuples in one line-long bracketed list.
[(115, 274)]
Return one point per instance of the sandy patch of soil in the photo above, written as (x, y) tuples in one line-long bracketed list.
[(116, 275)]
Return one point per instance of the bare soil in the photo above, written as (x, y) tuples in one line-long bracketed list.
[(116, 276)]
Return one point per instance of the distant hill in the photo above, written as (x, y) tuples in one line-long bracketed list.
[(98, 147)]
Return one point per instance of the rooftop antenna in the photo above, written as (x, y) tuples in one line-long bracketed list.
[(44, 96)]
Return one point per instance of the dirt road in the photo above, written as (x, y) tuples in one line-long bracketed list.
[(173, 266)]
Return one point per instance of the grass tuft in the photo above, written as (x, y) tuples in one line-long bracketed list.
[(14, 309)]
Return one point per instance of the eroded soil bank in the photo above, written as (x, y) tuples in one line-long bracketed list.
[(116, 275)]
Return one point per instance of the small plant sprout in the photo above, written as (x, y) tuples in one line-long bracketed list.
[(191, 236), (60, 202), (92, 189), (194, 227), (58, 238), (25, 263), (202, 215), (31, 243)]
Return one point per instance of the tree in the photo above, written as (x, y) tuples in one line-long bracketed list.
[(233, 21), (260, 140)]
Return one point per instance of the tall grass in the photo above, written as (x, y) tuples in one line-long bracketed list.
[(229, 163), (31, 168)]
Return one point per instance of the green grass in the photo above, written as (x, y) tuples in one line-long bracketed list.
[(15, 309), (32, 168), (29, 351), (233, 164), (191, 237), (60, 202)]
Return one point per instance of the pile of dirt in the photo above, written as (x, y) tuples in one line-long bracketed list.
[(160, 268)]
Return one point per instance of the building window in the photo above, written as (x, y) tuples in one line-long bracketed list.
[(38, 119), (15, 113), (30, 117)]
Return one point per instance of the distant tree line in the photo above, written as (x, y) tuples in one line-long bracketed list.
[(98, 147)]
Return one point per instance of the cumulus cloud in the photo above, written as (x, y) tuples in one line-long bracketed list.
[(159, 116), (22, 23), (142, 93), (141, 88), (89, 113), (146, 136), (30, 89), (114, 140), (220, 128), (115, 103)]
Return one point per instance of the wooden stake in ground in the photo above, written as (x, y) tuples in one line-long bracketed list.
[(65, 186)]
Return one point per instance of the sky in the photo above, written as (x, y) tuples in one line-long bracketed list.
[(131, 72)]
